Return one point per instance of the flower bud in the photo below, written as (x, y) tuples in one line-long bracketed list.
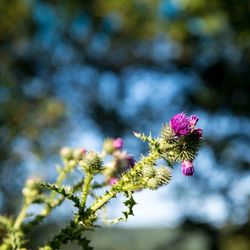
[(79, 153), (66, 153), (31, 189), (148, 172), (118, 143), (152, 183), (112, 181), (163, 175), (91, 162), (123, 161), (187, 168), (108, 146)]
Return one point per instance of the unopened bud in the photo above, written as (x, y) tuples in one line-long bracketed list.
[(148, 172), (92, 162), (31, 189), (163, 175), (66, 153), (79, 153), (108, 146), (152, 183)]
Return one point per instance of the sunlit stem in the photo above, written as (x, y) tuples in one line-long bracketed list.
[(21, 216), (103, 200), (86, 188)]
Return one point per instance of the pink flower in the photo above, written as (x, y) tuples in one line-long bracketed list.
[(187, 168), (193, 119), (118, 143), (112, 181), (180, 124)]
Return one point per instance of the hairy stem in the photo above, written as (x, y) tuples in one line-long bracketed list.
[(103, 200), (86, 188)]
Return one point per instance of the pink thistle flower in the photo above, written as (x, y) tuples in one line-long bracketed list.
[(193, 119), (187, 168), (180, 124), (112, 181), (118, 143)]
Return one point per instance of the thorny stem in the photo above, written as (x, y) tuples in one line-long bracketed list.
[(85, 189)]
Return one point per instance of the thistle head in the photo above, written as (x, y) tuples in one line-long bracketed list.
[(66, 153), (152, 184), (123, 161), (180, 124), (187, 168), (31, 189), (148, 171), (112, 181), (163, 175), (111, 145), (118, 143), (79, 153), (91, 162)]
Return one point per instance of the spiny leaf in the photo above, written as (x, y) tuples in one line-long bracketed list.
[(129, 203), (64, 191), (145, 138)]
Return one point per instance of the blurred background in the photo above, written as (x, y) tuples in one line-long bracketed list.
[(75, 72)]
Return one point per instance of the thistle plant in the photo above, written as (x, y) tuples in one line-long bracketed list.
[(178, 142)]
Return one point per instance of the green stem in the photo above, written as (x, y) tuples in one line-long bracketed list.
[(86, 188), (21, 216), (104, 199)]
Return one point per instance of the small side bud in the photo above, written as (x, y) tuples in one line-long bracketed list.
[(163, 175), (79, 153), (187, 168), (31, 189), (148, 172), (66, 153), (108, 146), (112, 181), (118, 143), (152, 184)]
